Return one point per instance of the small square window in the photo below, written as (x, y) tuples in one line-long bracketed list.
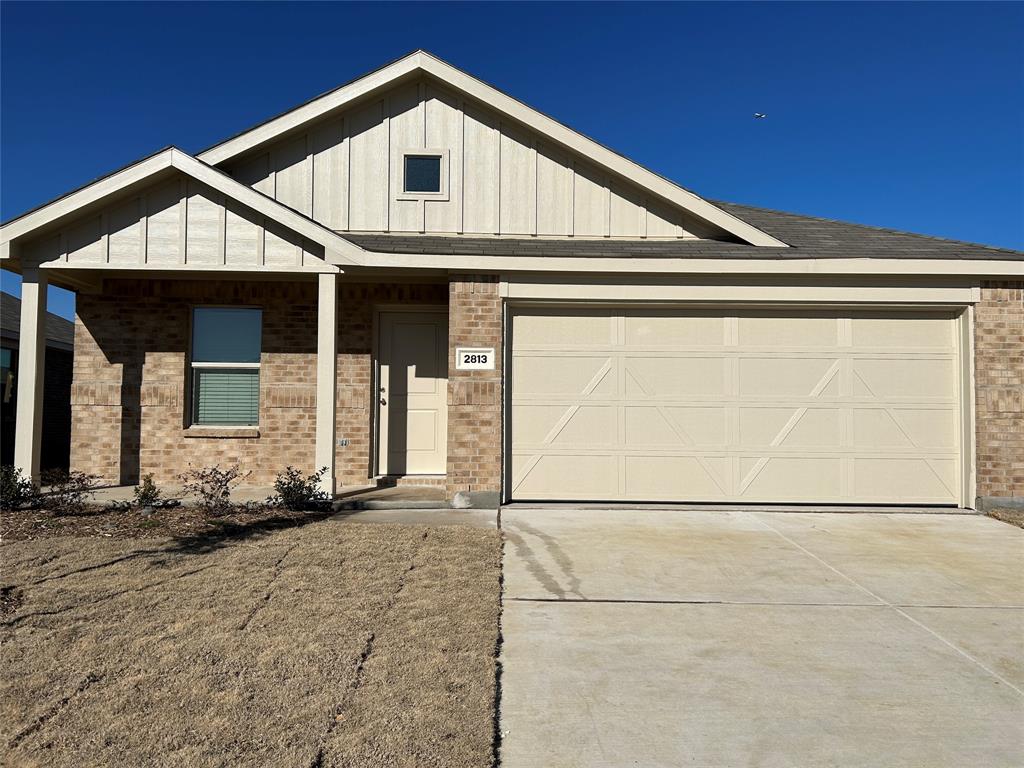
[(423, 173)]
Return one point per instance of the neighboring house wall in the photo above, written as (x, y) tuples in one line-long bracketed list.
[(999, 387), (130, 378), (344, 172), (474, 397), (175, 222)]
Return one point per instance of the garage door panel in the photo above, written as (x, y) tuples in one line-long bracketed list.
[(785, 377), (923, 429), (564, 330), (673, 330), (790, 427), (904, 479), (673, 425), (674, 377), (766, 406), (564, 425), (675, 477), (549, 375), (790, 478), (908, 334), (565, 477), (793, 332), (905, 379)]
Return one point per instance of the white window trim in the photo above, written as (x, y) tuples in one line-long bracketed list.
[(398, 163)]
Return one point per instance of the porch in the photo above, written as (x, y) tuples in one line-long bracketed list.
[(324, 381)]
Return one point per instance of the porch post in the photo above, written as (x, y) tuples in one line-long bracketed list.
[(326, 376), (28, 425)]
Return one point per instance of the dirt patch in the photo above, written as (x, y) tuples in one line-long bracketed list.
[(1011, 516), (331, 644), (11, 599), (98, 522)]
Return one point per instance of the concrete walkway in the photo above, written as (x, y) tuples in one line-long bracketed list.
[(666, 638)]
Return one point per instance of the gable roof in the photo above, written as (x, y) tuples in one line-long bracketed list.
[(808, 237), (422, 63), (156, 165)]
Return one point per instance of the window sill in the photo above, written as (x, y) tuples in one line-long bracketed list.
[(221, 432)]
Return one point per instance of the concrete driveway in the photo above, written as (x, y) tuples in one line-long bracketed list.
[(682, 638)]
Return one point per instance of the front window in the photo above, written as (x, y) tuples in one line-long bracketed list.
[(226, 366)]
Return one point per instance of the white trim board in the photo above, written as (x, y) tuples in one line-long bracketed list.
[(421, 62), (338, 250)]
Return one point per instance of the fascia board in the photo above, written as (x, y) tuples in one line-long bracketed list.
[(93, 193), (458, 80), (651, 266)]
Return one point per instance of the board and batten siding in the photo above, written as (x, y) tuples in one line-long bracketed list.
[(180, 222), (345, 172)]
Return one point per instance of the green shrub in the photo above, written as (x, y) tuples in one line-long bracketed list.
[(15, 489), (146, 493), (297, 493), (212, 486), (68, 491)]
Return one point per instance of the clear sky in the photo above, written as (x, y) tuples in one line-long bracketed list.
[(905, 115)]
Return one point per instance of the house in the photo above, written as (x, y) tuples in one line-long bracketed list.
[(416, 276), (55, 440)]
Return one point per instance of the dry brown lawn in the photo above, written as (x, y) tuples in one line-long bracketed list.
[(331, 644), (1011, 516)]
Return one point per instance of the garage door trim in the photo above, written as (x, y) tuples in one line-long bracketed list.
[(960, 314)]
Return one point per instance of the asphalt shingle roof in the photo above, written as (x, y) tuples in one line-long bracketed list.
[(807, 236), (57, 328)]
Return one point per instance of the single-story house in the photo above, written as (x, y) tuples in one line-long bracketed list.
[(416, 276), (55, 441)]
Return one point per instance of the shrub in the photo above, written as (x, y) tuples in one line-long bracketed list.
[(146, 493), (297, 493), (68, 491), (15, 489), (212, 486)]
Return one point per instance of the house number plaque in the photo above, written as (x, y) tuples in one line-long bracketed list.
[(474, 358)]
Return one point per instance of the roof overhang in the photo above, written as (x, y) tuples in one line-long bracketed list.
[(423, 63), (337, 249)]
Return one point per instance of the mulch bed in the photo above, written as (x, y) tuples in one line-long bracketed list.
[(98, 522), (1011, 516)]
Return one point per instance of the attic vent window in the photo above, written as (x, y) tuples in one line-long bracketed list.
[(424, 174)]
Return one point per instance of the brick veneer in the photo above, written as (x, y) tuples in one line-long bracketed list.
[(999, 389), (474, 397), (130, 372)]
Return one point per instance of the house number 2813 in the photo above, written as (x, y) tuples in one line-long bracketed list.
[(474, 358)]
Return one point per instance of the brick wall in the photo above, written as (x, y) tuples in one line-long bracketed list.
[(474, 397), (130, 374), (999, 388)]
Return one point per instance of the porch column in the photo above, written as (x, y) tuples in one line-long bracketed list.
[(28, 425), (326, 376)]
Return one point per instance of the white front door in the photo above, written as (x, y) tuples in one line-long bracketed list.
[(413, 396)]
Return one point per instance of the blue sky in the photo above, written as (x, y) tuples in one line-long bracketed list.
[(903, 115)]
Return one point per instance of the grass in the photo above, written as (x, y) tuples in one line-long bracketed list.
[(330, 644), (1011, 516)]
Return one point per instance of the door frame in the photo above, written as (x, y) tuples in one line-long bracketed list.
[(375, 379), (962, 315)]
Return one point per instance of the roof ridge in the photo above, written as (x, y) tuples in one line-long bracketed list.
[(873, 227)]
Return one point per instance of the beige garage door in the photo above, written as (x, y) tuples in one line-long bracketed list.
[(744, 406)]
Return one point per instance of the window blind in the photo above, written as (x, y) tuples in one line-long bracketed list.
[(226, 396)]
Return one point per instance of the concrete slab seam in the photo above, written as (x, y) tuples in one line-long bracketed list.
[(895, 608)]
